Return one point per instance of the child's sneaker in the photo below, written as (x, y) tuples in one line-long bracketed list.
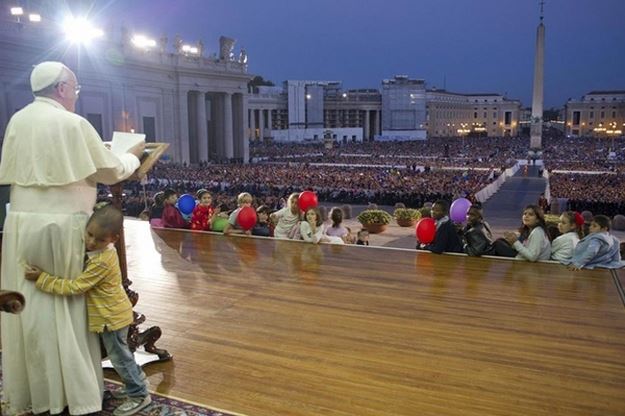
[(132, 406), (118, 394)]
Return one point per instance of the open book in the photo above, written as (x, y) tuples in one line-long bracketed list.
[(122, 141)]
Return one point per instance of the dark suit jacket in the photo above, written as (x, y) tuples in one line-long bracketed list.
[(446, 240)]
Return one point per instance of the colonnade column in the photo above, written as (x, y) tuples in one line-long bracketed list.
[(183, 118), (261, 124), (365, 135), (202, 130), (269, 123), (228, 131)]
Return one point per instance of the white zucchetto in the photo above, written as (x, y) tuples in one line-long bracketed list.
[(45, 74)]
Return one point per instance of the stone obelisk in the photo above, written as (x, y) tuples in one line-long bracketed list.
[(536, 129)]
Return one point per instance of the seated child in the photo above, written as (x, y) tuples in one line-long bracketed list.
[(311, 229), (262, 228), (363, 238), (109, 310), (563, 246), (243, 200), (478, 238), (203, 212), (598, 249), (172, 218)]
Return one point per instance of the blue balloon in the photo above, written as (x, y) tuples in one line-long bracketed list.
[(186, 203)]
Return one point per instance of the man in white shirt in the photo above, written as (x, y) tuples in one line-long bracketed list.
[(53, 159)]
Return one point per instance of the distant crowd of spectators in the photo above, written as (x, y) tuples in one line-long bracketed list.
[(408, 172)]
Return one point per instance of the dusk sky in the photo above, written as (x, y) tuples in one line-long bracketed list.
[(475, 45)]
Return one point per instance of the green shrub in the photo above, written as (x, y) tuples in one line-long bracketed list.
[(407, 214), (374, 216)]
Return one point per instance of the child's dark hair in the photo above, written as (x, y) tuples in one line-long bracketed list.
[(602, 221), (159, 197), (337, 216), (318, 220), (444, 205), (263, 209), (540, 216), (108, 217), (199, 194), (168, 192)]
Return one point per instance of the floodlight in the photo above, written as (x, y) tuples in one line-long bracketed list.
[(141, 41), (80, 30), (17, 11), (34, 17), (190, 49)]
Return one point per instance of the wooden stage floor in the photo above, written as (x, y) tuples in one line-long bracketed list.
[(267, 327)]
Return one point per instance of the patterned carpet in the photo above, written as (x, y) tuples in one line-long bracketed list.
[(161, 405)]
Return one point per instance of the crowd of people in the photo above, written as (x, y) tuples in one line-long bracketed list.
[(598, 193), (358, 185), (575, 242), (475, 152)]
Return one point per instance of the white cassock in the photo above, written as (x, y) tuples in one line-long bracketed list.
[(52, 159)]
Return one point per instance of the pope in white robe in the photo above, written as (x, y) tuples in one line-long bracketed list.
[(52, 158)]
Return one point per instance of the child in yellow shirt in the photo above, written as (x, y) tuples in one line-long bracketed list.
[(108, 306)]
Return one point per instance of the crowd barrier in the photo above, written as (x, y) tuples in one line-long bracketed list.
[(489, 190)]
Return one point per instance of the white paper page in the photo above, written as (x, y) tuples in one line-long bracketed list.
[(123, 141)]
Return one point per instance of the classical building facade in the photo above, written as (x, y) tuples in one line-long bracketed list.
[(170, 91), (598, 113), (454, 114)]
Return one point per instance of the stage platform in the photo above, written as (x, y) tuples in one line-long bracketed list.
[(267, 327)]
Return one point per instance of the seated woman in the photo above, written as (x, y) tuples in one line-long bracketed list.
[(477, 236), (570, 227), (598, 249), (531, 243)]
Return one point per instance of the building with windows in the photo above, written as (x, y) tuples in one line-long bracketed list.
[(171, 91), (453, 114), (402, 110), (598, 113)]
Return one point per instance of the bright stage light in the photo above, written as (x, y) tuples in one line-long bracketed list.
[(17, 11), (190, 49), (80, 30), (34, 17), (143, 42)]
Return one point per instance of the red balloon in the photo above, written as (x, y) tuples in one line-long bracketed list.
[(246, 218), (426, 230), (306, 200)]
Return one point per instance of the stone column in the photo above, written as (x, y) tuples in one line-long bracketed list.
[(268, 123), (377, 122), (261, 124), (365, 136), (202, 128), (246, 143), (228, 132), (183, 126)]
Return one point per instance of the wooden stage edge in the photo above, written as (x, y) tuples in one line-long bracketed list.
[(268, 327)]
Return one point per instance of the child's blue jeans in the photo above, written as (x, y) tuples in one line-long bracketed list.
[(123, 361)]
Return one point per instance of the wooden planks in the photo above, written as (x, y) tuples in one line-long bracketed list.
[(267, 327)]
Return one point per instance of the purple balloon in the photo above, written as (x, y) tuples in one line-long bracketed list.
[(459, 209)]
